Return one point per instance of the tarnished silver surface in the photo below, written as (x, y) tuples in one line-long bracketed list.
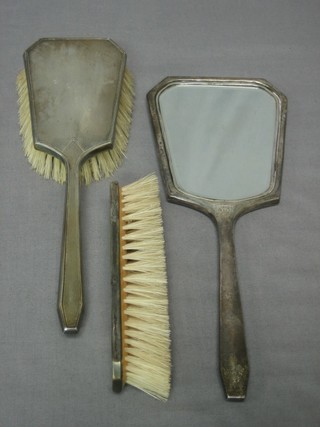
[(116, 340), (74, 87), (234, 367)]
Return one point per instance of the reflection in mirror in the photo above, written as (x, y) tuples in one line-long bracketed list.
[(220, 139), (220, 144)]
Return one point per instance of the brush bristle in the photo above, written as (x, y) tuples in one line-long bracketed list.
[(102, 164), (147, 361)]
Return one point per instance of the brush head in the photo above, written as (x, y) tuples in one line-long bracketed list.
[(92, 101), (145, 330)]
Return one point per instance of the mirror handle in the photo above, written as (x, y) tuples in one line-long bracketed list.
[(234, 367)]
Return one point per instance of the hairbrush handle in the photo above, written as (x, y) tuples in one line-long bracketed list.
[(70, 303), (234, 367)]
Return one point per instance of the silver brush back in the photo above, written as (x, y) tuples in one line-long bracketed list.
[(74, 88)]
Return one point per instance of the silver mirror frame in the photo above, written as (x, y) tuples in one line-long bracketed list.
[(234, 366), (213, 207)]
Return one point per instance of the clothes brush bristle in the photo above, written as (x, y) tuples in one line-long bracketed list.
[(146, 330), (102, 164)]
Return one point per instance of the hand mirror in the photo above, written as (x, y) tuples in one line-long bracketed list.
[(220, 145)]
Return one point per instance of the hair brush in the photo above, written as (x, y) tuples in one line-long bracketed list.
[(75, 105), (140, 319)]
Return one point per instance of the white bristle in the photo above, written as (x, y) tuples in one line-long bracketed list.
[(102, 164), (146, 319)]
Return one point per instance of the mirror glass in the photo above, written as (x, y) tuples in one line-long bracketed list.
[(220, 138)]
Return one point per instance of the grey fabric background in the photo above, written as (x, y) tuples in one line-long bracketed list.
[(48, 379)]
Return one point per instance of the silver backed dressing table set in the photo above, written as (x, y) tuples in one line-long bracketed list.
[(220, 146)]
